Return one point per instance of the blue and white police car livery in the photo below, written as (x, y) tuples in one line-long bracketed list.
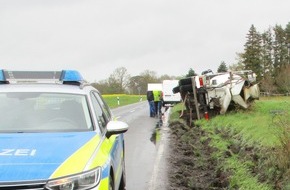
[(57, 133)]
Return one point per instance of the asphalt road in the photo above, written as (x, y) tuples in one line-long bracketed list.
[(146, 147)]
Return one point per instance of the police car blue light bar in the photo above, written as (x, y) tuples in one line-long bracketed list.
[(65, 76), (2, 77), (71, 76)]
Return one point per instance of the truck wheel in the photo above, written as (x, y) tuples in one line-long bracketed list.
[(185, 81), (186, 88), (176, 89)]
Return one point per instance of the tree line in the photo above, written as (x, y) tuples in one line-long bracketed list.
[(266, 53), (121, 82)]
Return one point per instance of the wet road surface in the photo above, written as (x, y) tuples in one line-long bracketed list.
[(145, 143)]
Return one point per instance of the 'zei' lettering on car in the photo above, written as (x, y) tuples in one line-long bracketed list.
[(17, 152)]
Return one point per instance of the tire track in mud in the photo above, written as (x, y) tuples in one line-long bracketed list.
[(191, 162)]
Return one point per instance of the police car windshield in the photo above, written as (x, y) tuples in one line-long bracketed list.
[(38, 112)]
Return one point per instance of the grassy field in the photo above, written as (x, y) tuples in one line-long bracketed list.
[(116, 100), (251, 147)]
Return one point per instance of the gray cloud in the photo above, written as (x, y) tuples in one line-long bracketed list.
[(95, 37)]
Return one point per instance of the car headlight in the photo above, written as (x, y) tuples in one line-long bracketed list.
[(80, 181)]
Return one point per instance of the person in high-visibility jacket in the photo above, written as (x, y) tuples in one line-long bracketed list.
[(157, 101), (150, 99)]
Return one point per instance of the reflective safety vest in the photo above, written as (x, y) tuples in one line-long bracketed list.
[(157, 95)]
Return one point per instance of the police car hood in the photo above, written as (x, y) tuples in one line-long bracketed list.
[(36, 156)]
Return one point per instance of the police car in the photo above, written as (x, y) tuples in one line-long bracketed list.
[(57, 133)]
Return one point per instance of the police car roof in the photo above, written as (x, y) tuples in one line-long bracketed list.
[(65, 81), (64, 76)]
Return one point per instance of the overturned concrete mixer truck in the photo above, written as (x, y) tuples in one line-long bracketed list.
[(215, 93)]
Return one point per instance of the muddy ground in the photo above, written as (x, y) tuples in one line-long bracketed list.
[(191, 163), (193, 166)]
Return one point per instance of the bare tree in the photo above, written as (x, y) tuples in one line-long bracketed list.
[(149, 76), (118, 80), (137, 85), (102, 86)]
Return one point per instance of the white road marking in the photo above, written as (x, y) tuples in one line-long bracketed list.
[(153, 184)]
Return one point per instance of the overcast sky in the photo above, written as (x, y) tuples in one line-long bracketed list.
[(98, 36)]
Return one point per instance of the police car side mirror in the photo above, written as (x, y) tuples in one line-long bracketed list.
[(116, 127)]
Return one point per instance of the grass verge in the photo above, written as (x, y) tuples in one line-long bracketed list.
[(249, 148), (116, 100)]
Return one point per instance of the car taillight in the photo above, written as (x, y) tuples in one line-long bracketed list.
[(201, 81), (206, 115)]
